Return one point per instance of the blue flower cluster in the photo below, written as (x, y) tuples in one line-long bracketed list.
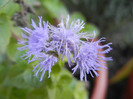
[(47, 44)]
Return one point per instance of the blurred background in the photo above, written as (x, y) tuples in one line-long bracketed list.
[(112, 19)]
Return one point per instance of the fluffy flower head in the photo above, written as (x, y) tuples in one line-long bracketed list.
[(66, 37), (89, 58), (36, 42)]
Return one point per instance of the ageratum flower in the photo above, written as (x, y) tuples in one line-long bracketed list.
[(65, 38), (36, 42), (45, 64), (89, 58)]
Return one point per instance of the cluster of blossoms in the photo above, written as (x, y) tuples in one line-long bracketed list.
[(47, 44)]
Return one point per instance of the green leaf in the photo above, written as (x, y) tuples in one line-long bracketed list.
[(17, 93), (61, 62), (4, 32), (80, 91), (16, 30), (5, 67), (38, 94), (55, 8), (58, 92), (55, 73), (3, 3), (65, 78), (12, 49), (90, 28), (51, 93), (1, 58), (77, 15), (48, 18), (5, 92), (56, 69), (16, 76), (10, 8), (28, 76), (3, 73), (18, 58), (67, 94), (30, 2), (30, 80)]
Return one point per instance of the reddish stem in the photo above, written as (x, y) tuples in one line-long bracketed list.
[(101, 84)]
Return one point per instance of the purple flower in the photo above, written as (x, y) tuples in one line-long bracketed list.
[(35, 40), (89, 56), (45, 64), (65, 38)]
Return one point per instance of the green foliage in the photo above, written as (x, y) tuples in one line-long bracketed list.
[(12, 48), (40, 93), (90, 28), (3, 3), (55, 8), (77, 15), (4, 32), (10, 8), (19, 81)]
